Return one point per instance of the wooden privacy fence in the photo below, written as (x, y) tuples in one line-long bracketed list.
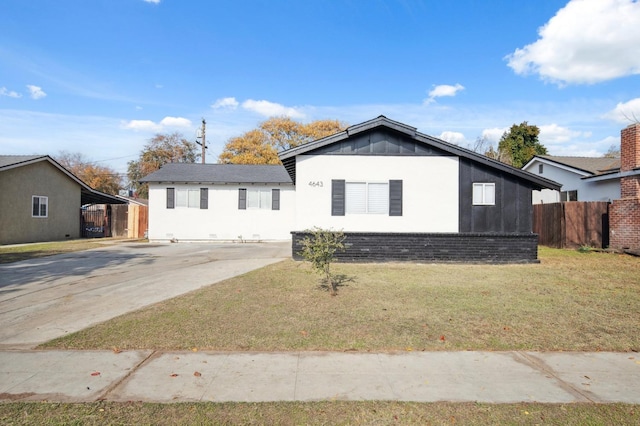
[(572, 224)]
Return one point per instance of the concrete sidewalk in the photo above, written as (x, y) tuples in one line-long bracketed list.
[(163, 376)]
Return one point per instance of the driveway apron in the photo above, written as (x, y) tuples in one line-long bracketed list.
[(49, 297)]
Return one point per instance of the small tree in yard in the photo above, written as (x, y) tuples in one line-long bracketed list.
[(319, 249)]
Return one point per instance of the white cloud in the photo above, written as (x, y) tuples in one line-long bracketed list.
[(10, 93), (586, 42), (152, 1), (443, 90), (164, 124), (270, 109), (175, 122), (141, 125), (552, 133), (228, 103), (493, 135), (455, 138), (36, 92), (625, 112)]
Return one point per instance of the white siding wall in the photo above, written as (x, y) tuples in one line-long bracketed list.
[(587, 190), (222, 220), (430, 192)]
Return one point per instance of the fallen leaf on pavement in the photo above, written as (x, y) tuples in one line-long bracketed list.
[(95, 373), (197, 374), (174, 375)]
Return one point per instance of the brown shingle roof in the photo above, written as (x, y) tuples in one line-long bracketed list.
[(593, 165)]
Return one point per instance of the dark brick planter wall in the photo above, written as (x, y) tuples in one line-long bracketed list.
[(437, 248)]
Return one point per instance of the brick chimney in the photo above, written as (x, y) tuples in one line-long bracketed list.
[(630, 160), (624, 214)]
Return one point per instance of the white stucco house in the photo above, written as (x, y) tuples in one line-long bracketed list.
[(582, 178), (396, 193)]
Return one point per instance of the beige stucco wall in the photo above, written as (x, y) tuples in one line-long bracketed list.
[(18, 185)]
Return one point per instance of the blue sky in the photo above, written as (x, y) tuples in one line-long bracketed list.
[(101, 77)]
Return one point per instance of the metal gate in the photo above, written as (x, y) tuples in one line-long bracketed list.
[(95, 221)]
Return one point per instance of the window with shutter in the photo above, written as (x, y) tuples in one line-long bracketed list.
[(367, 197)]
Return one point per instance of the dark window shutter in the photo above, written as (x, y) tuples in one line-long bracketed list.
[(171, 197), (275, 199), (242, 199), (395, 198), (337, 197), (204, 198)]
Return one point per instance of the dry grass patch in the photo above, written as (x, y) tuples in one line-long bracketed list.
[(17, 253), (571, 301), (317, 413)]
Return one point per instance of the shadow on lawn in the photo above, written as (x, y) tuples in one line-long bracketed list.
[(340, 281)]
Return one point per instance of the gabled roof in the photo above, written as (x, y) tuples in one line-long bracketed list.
[(219, 173), (88, 195), (288, 157), (591, 165)]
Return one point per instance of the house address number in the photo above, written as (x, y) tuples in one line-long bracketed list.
[(316, 184)]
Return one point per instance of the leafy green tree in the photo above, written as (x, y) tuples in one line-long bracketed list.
[(261, 145), (160, 150), (319, 248), (521, 143)]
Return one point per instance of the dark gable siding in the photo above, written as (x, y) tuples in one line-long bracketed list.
[(512, 212), (378, 142)]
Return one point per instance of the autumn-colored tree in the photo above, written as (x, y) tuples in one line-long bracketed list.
[(261, 145), (101, 178), (160, 150), (521, 143)]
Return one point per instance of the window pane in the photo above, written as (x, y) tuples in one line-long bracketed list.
[(253, 199), (378, 200), (35, 211), (181, 198), (356, 197), (490, 193), (477, 193), (265, 200), (194, 198), (43, 209)]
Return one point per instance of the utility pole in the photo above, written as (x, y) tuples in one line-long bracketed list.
[(203, 136)]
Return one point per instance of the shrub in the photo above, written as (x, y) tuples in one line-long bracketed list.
[(318, 248)]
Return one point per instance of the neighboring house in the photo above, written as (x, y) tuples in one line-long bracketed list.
[(196, 202), (396, 193), (40, 200), (582, 178)]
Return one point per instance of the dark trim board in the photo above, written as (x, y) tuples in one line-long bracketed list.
[(432, 247)]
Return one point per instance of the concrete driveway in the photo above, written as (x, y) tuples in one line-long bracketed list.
[(49, 297)]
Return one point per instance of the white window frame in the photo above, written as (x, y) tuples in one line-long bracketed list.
[(259, 199), (484, 194), (370, 204), (43, 201), (187, 198)]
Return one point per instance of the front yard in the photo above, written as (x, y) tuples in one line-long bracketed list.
[(571, 301)]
